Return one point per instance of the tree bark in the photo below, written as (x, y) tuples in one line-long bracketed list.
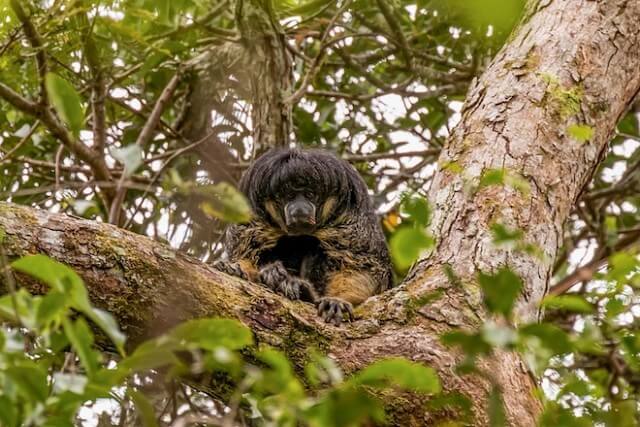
[(571, 62), (269, 67)]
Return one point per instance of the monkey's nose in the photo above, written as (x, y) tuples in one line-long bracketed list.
[(302, 212), (300, 215)]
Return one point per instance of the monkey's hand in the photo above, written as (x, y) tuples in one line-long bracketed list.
[(276, 277), (243, 269), (344, 290), (333, 309)]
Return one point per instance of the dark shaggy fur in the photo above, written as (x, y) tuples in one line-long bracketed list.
[(314, 235)]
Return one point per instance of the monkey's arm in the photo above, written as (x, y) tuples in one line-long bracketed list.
[(345, 289)]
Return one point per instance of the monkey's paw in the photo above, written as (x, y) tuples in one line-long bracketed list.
[(332, 310), (276, 277), (273, 275), (231, 268), (296, 288)]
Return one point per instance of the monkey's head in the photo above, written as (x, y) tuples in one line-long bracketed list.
[(301, 191)]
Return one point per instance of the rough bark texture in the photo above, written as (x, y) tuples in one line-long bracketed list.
[(572, 62), (257, 70), (270, 71)]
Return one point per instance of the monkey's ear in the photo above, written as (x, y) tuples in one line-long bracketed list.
[(274, 212), (327, 209)]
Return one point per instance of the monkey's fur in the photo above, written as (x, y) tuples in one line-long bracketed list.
[(314, 235)]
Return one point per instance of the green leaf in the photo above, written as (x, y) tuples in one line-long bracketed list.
[(30, 380), (572, 303), (581, 133), (621, 264), (66, 101), (210, 334), (517, 182), (164, 10), (471, 344), (109, 326), (498, 335), (492, 177), (550, 336), (223, 201), (130, 156), (64, 280), (19, 308), (151, 354), (57, 275), (555, 415), (322, 370), (401, 373), (11, 341), (407, 244), (346, 407), (497, 415), (417, 209), (614, 307), (51, 307), (8, 413), (503, 235), (280, 378), (477, 15), (306, 8), (81, 339), (629, 124), (500, 290), (144, 408)]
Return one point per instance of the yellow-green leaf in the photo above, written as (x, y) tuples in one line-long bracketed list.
[(66, 101)]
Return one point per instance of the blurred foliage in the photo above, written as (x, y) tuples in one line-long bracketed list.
[(50, 368), (586, 352)]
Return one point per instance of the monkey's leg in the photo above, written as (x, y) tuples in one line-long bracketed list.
[(244, 268), (276, 277), (345, 289)]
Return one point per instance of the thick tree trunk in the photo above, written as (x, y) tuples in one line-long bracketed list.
[(571, 62), (269, 68)]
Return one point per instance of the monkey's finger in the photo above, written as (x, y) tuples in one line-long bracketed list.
[(337, 318), (322, 307), (348, 308), (330, 313), (294, 291)]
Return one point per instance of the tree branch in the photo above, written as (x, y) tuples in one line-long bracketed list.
[(57, 129), (143, 139), (36, 43)]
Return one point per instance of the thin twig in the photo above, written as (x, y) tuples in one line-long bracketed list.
[(159, 173), (98, 92), (7, 156), (313, 69), (58, 163), (143, 138), (587, 271), (36, 43)]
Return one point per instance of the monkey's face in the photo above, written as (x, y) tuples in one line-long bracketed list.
[(300, 192), (299, 211)]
